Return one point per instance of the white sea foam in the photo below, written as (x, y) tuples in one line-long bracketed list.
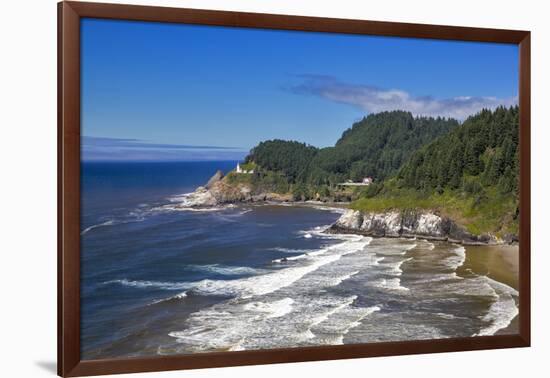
[(291, 250), (396, 250), (502, 311), (339, 323), (318, 231), (500, 315), (141, 213), (174, 297), (225, 270), (274, 309), (324, 316), (270, 282), (396, 267), (338, 280), (500, 287), (151, 284), (106, 223), (409, 247), (337, 210), (286, 308), (283, 322), (389, 284), (456, 260), (294, 305), (307, 255), (180, 197), (439, 277), (377, 260), (167, 208)]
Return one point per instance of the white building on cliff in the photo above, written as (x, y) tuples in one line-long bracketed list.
[(240, 170), (367, 181)]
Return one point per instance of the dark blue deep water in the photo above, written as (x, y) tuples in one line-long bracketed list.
[(137, 252)]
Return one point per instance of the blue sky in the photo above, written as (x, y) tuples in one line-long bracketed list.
[(155, 91)]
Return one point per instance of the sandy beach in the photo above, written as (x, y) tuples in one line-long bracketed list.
[(500, 263)]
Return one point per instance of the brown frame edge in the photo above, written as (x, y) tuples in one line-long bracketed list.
[(69, 14)]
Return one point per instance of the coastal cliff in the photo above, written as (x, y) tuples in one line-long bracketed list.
[(222, 190), (405, 223), (461, 180), (411, 224)]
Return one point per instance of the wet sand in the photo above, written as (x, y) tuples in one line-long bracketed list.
[(500, 263)]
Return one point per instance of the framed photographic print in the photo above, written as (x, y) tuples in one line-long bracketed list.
[(239, 188)]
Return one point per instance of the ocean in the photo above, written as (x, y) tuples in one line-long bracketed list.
[(159, 280)]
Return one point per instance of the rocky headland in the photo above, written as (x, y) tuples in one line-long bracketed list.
[(409, 223), (412, 223), (219, 191)]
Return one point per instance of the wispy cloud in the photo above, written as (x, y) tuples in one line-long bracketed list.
[(120, 149), (373, 99), (137, 143)]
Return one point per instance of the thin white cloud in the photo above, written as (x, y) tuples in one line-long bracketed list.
[(373, 99), (119, 149)]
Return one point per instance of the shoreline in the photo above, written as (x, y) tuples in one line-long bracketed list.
[(343, 206), (498, 262), (413, 223), (478, 258), (428, 224), (339, 230)]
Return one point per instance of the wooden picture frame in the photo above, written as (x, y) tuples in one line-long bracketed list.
[(69, 16)]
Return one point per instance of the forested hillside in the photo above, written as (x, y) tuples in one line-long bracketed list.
[(480, 153), (376, 146), (290, 158), (467, 171), (471, 174)]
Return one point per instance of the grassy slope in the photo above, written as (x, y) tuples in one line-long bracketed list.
[(266, 181), (493, 213)]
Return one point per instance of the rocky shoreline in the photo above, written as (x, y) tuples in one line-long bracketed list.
[(218, 192), (412, 223)]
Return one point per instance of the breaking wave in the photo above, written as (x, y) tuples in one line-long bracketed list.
[(502, 311), (88, 229), (150, 284)]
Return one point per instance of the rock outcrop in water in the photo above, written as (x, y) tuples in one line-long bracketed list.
[(408, 224)]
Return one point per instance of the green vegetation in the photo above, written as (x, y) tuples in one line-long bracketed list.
[(494, 213), (262, 181), (481, 153), (290, 158), (376, 146), (233, 178), (250, 166), (471, 175), (466, 171)]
